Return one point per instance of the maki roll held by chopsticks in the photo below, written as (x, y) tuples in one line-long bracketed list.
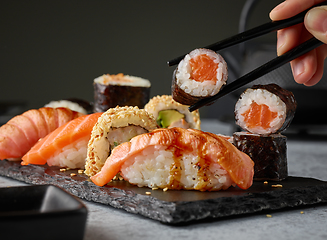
[(265, 109), (199, 75), (169, 113)]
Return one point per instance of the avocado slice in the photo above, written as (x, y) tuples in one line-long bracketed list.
[(167, 117)]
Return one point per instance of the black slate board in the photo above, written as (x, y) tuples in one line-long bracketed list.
[(178, 206)]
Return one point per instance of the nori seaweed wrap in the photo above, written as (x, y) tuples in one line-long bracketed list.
[(265, 109), (269, 154), (120, 90)]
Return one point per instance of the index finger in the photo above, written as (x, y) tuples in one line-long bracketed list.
[(290, 8)]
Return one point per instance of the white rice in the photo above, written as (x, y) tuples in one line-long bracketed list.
[(205, 88), (67, 104), (71, 156), (121, 79), (153, 168), (260, 96)]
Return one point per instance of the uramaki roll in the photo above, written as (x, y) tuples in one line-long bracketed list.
[(169, 113), (115, 126), (265, 109), (269, 154), (120, 90), (201, 74)]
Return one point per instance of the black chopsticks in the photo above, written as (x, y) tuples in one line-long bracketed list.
[(264, 69)]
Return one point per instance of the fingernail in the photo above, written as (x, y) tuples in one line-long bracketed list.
[(274, 11), (279, 6), (316, 19), (298, 68)]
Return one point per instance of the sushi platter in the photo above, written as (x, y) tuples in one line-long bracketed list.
[(150, 156), (177, 206)]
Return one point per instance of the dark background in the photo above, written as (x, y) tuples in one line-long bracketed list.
[(52, 50)]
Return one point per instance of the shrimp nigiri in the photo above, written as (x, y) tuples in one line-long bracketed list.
[(21, 132), (178, 158), (66, 146)]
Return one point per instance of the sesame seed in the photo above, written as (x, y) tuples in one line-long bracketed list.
[(301, 212), (62, 169), (268, 216), (165, 189), (154, 188), (80, 171), (265, 182), (73, 174), (148, 193), (277, 185)]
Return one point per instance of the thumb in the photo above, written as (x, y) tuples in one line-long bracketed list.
[(315, 22)]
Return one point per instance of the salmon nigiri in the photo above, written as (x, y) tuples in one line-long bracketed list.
[(66, 146), (178, 158), (21, 132)]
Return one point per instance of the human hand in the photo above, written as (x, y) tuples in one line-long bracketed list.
[(307, 69)]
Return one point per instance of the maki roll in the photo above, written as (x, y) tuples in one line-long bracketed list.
[(269, 154), (169, 113), (120, 90), (265, 109), (199, 75), (115, 126)]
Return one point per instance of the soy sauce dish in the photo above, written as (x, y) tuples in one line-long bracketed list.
[(41, 212)]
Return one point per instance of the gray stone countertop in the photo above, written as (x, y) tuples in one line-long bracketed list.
[(306, 158)]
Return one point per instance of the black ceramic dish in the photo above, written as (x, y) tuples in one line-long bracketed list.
[(41, 212)]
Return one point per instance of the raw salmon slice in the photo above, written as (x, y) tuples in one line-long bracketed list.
[(203, 68), (21, 132), (71, 132), (259, 115)]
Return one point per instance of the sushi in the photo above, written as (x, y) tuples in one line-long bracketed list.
[(201, 74), (21, 132), (265, 109), (120, 90), (268, 152), (169, 113), (178, 158), (115, 126), (75, 104), (64, 147)]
